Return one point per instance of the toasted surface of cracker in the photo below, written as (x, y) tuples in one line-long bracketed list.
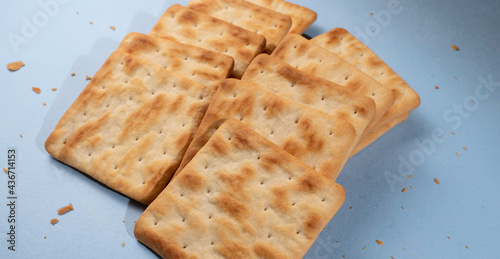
[(314, 92), (302, 17), (349, 48), (266, 22), (320, 140), (130, 126), (311, 58), (198, 64), (240, 197), (202, 30)]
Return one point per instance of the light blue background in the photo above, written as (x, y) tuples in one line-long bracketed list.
[(438, 221)]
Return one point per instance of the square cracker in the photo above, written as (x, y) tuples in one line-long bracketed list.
[(130, 126), (302, 17), (318, 139), (349, 48), (314, 92), (198, 64), (311, 58), (202, 30), (373, 135), (240, 197), (268, 23)]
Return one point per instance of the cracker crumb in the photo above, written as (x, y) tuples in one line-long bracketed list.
[(436, 180), (455, 47), (112, 28), (91, 22), (65, 209), (452, 133), (379, 242), (371, 13), (472, 101), (123, 244), (21, 135), (54, 221), (350, 208), (392, 257), (73, 74), (343, 256), (36, 90), (467, 247), (45, 237), (77, 12), (455, 77), (5, 170), (436, 87), (449, 237), (44, 104), (458, 154), (54, 89), (14, 66), (405, 189), (364, 248), (404, 248), (465, 148), (88, 78), (410, 176)]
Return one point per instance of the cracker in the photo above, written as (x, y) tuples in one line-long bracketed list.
[(14, 66), (318, 139), (314, 92), (349, 48), (268, 23), (202, 30), (311, 58), (198, 64), (240, 197), (302, 17), (373, 135), (130, 126)]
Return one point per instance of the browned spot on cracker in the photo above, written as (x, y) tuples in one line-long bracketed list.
[(231, 206), (112, 28), (88, 78), (436, 180), (379, 242), (405, 189), (36, 90), (54, 221), (14, 66), (191, 180), (455, 47), (65, 209), (264, 250)]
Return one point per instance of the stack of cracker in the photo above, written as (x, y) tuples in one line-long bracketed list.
[(240, 167)]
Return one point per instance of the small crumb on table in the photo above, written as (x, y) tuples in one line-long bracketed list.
[(455, 47), (410, 176), (112, 28), (44, 104), (36, 90), (54, 221), (5, 170), (73, 74), (88, 78), (14, 66), (467, 247), (458, 154), (123, 244), (436, 87), (436, 180), (54, 89), (379, 242), (465, 148), (405, 189), (65, 209)]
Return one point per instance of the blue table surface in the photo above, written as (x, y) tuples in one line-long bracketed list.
[(453, 136)]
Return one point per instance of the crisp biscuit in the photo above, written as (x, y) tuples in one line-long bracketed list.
[(190, 27), (268, 23), (352, 50), (373, 135), (318, 139), (198, 64), (302, 17), (130, 126), (240, 197), (314, 92), (311, 58)]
